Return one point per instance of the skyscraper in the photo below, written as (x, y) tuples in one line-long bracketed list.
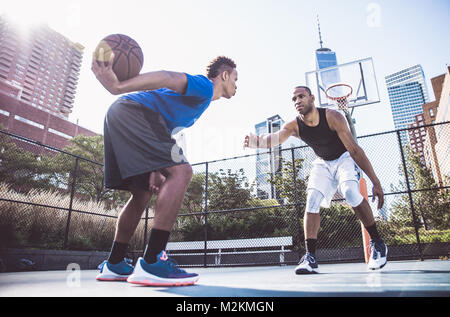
[(39, 71), (268, 162), (39, 67), (325, 58), (407, 93)]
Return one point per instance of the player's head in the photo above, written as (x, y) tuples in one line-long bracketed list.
[(222, 71), (303, 99)]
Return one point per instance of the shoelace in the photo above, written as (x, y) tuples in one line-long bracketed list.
[(375, 249), (101, 265), (173, 264), (307, 257)]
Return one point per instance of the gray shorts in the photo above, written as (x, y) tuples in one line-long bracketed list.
[(137, 142)]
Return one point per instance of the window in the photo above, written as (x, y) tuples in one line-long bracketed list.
[(40, 126), (59, 133), (3, 112)]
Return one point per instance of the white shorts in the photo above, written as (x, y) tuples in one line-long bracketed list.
[(327, 176)]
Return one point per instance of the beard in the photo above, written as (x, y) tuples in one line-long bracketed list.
[(306, 110)]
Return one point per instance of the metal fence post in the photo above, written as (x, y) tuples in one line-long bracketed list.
[(411, 201), (206, 218), (296, 199), (145, 228), (72, 193)]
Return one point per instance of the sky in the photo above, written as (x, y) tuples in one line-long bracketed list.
[(272, 42)]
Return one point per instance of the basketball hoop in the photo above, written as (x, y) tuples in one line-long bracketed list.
[(334, 92), (339, 93)]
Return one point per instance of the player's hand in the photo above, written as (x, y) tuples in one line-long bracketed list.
[(103, 71), (156, 179), (377, 192), (251, 141)]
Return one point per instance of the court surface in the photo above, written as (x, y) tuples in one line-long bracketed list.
[(396, 279)]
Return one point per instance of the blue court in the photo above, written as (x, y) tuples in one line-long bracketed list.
[(429, 278)]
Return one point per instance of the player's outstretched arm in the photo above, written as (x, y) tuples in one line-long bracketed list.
[(271, 139), (148, 81)]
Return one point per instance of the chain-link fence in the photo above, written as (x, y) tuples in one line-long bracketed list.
[(240, 211)]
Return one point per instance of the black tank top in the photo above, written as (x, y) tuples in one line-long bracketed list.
[(325, 142)]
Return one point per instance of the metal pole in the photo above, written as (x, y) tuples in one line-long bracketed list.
[(296, 199), (411, 202), (145, 228), (350, 124), (206, 217), (362, 80), (72, 193), (362, 189)]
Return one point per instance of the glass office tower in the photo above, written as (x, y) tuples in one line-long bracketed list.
[(269, 161), (407, 93), (326, 58), (267, 164)]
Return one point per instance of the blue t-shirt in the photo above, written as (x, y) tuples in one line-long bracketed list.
[(178, 110)]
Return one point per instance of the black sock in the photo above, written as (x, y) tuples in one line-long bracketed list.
[(156, 243), (373, 232), (310, 245), (118, 252)]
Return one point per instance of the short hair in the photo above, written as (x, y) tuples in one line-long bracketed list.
[(218, 65), (306, 88)]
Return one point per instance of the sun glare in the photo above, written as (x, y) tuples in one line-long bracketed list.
[(29, 13)]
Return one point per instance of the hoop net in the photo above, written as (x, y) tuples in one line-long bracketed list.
[(339, 93)]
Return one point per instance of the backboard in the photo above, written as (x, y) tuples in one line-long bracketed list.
[(360, 75)]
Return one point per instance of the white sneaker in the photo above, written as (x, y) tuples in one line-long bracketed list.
[(378, 254), (307, 265)]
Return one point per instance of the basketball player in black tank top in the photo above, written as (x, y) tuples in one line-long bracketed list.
[(327, 133)]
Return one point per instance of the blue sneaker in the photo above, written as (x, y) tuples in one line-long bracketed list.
[(164, 272), (114, 272)]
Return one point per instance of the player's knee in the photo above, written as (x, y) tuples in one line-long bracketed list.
[(313, 200), (183, 172), (351, 193)]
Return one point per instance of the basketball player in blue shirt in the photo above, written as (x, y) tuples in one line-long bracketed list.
[(327, 133), (142, 157)]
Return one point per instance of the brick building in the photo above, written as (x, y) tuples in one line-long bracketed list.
[(39, 66), (442, 146), (430, 110), (416, 137), (20, 118), (39, 70)]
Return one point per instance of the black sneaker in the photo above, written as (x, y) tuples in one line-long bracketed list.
[(307, 265)]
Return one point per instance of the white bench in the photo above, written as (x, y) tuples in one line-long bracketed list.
[(235, 244)]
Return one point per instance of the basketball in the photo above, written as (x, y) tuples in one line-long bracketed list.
[(128, 56)]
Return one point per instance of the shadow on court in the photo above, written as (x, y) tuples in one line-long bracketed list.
[(220, 291)]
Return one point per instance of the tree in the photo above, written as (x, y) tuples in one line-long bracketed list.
[(22, 170), (339, 223), (194, 198), (286, 188), (340, 228), (291, 192), (228, 190), (430, 205)]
